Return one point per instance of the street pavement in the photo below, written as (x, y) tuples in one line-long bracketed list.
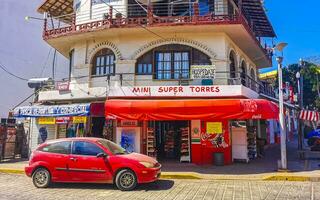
[(19, 187)]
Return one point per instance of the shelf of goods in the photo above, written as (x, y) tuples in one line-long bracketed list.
[(151, 150), (185, 145), (252, 143), (169, 144)]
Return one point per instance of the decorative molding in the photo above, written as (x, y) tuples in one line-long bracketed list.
[(183, 41), (102, 45)]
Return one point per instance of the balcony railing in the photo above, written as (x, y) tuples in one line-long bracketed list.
[(141, 15), (131, 80)]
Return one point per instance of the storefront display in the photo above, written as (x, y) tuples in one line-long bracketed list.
[(151, 143), (108, 130), (62, 131), (252, 141), (129, 138), (185, 145), (197, 140)]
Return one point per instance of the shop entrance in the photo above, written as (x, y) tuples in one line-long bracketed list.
[(172, 140), (97, 126)]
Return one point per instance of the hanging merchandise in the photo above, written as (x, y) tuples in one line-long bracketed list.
[(252, 143), (185, 145), (151, 143)]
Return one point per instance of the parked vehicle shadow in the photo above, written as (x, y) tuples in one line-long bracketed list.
[(158, 185)]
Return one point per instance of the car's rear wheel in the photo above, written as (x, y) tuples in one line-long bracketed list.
[(126, 180), (41, 178)]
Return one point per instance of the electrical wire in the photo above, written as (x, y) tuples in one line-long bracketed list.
[(12, 74), (46, 62)]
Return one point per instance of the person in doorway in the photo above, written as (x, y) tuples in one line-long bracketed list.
[(71, 131)]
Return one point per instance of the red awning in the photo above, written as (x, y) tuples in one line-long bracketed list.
[(188, 109)]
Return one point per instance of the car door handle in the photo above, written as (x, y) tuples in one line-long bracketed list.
[(73, 159)]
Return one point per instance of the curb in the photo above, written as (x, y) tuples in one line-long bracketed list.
[(180, 176), (193, 176), (11, 171)]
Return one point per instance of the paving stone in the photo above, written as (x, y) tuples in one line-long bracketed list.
[(19, 187)]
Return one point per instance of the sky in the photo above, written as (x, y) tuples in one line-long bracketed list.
[(297, 24), (24, 53)]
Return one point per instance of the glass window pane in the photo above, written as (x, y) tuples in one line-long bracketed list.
[(98, 61), (102, 61), (58, 147), (107, 70), (111, 59), (86, 148), (139, 68), (149, 69), (97, 70), (107, 60)]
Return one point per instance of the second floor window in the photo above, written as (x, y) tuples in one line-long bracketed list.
[(172, 65), (169, 62), (103, 63)]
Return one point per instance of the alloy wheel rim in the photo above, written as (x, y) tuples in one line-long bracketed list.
[(127, 180), (41, 178)]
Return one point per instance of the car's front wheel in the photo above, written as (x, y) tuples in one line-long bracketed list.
[(41, 178), (126, 180)]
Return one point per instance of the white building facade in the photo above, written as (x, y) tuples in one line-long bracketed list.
[(145, 50)]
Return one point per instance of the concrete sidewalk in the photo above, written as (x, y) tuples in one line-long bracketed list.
[(259, 169)]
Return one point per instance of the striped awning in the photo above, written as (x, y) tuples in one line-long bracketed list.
[(309, 115)]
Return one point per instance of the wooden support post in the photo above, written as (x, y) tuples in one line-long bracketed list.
[(45, 27), (73, 22), (195, 12), (110, 14), (150, 14)]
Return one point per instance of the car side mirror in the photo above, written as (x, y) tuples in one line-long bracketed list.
[(102, 155)]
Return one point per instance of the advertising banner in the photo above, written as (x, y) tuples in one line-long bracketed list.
[(46, 120), (214, 127), (202, 72), (53, 111), (79, 120)]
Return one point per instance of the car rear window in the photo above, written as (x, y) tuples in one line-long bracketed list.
[(57, 147)]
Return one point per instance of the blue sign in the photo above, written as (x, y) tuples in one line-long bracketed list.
[(53, 111)]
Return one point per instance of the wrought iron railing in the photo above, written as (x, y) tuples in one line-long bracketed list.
[(131, 79), (141, 15)]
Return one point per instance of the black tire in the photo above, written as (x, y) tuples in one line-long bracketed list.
[(126, 180), (41, 178)]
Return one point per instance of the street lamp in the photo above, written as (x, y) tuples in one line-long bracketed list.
[(27, 18), (279, 59), (299, 77)]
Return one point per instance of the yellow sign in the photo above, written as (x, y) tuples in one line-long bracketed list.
[(46, 120), (79, 120), (214, 127)]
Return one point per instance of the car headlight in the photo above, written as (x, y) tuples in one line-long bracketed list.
[(147, 164)]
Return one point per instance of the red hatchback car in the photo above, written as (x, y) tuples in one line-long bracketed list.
[(90, 160)]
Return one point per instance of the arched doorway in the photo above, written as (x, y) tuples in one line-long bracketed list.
[(253, 79), (232, 65), (243, 73)]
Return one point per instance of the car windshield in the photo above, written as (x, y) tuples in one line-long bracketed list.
[(114, 148)]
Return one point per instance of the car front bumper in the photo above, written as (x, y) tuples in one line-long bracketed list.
[(148, 175)]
